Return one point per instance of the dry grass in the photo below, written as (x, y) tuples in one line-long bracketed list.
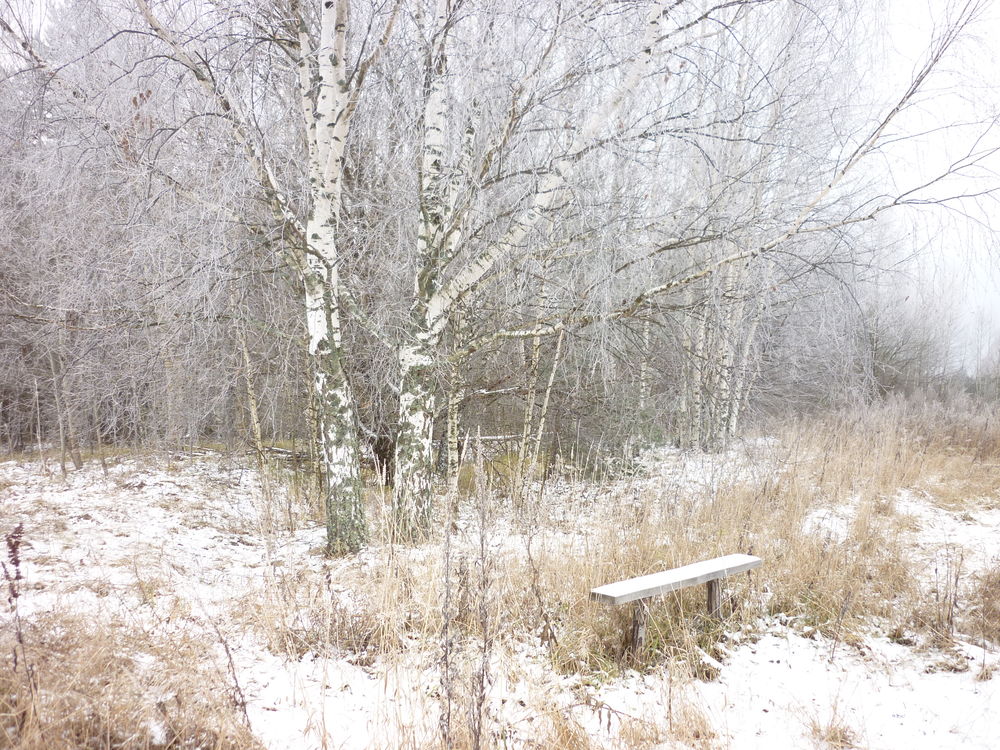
[(819, 509), (639, 734), (367, 611), (79, 685), (834, 580), (560, 730), (833, 734), (983, 617), (831, 583), (689, 726)]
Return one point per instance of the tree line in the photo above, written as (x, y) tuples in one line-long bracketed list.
[(377, 227)]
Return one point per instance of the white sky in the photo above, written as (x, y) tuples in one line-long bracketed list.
[(960, 271)]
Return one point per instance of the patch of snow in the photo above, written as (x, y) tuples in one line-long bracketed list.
[(975, 532), (832, 525), (772, 692)]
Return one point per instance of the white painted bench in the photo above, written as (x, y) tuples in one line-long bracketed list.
[(639, 590)]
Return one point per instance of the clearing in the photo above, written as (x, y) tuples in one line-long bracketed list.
[(181, 602)]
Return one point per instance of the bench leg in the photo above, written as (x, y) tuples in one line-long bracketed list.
[(715, 599), (640, 616)]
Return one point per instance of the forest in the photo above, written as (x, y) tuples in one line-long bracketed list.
[(478, 305)]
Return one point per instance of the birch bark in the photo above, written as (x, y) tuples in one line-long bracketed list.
[(414, 455), (327, 104)]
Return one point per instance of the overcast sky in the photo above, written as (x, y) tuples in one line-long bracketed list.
[(960, 267)]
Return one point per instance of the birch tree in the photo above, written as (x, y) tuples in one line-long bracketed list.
[(328, 92), (784, 204), (444, 204), (454, 188)]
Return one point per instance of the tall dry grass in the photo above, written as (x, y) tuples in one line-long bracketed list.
[(818, 505), (80, 685), (818, 502)]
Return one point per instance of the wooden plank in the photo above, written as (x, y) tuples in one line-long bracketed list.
[(715, 599), (671, 580), (640, 618)]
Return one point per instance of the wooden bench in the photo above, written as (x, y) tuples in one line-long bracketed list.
[(640, 590)]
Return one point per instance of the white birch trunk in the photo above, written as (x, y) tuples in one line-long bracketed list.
[(748, 366), (455, 395), (523, 452), (414, 456), (328, 101), (729, 324), (412, 491), (645, 368), (327, 120), (682, 429), (254, 414), (345, 519), (540, 432), (698, 385)]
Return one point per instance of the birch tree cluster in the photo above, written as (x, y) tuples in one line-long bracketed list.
[(381, 228)]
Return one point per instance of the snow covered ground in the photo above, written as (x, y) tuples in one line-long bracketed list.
[(189, 546)]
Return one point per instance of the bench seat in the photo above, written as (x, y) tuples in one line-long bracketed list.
[(655, 584)]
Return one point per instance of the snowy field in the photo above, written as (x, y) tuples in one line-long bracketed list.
[(196, 551)]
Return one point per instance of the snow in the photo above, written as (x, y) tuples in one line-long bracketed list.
[(186, 546), (974, 531), (771, 691), (832, 525)]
